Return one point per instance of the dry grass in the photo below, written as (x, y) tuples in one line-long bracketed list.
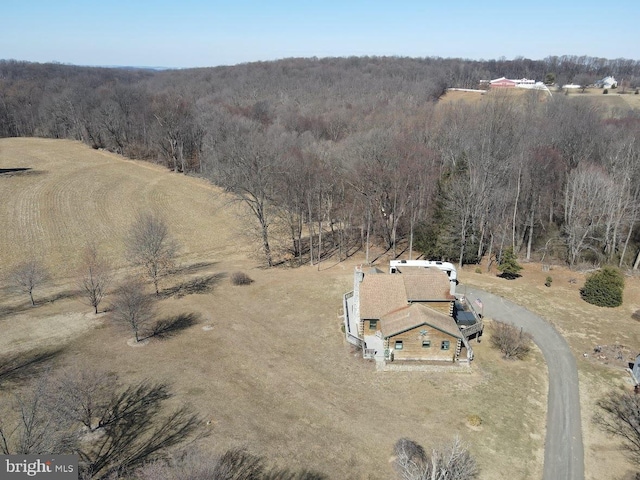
[(612, 103), (74, 194), (584, 326), (266, 364)]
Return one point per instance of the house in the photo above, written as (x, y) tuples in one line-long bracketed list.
[(502, 82), (607, 82), (417, 332), (407, 314), (527, 83)]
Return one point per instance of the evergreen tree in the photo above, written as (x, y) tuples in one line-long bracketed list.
[(509, 265), (432, 238), (440, 237), (604, 288)]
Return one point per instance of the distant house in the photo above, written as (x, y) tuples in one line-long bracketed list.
[(408, 314), (502, 82), (527, 83), (607, 82)]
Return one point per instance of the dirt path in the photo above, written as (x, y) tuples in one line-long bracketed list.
[(564, 455)]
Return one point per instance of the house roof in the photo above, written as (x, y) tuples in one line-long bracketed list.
[(502, 80), (381, 293), (415, 315), (426, 284)]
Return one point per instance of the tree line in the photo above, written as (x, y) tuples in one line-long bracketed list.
[(337, 154)]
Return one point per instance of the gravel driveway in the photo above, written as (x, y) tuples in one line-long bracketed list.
[(563, 455)]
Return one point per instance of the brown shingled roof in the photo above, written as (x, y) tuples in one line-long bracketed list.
[(426, 284), (414, 315), (380, 293)]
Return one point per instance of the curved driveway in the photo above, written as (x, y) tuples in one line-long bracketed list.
[(563, 454)]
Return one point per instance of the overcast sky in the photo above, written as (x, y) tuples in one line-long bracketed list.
[(198, 33)]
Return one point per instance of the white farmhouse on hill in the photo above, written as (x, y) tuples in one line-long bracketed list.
[(504, 82), (607, 82)]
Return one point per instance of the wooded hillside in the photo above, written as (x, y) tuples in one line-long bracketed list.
[(333, 154)]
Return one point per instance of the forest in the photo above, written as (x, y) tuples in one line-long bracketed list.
[(334, 155)]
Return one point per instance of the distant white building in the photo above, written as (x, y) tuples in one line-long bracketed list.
[(607, 82), (527, 83), (534, 86), (508, 82)]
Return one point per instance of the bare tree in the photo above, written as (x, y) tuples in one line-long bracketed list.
[(112, 428), (585, 205), (248, 164), (38, 427), (135, 428), (620, 416), (95, 277), (178, 136), (133, 307), (453, 462), (27, 276), (512, 341), (82, 395), (150, 246)]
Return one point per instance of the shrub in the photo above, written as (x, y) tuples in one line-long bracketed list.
[(512, 341), (478, 270), (605, 91), (240, 278), (604, 288), (474, 420), (547, 282)]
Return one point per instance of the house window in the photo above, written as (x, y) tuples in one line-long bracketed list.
[(445, 345), (426, 344), (373, 324), (399, 345)]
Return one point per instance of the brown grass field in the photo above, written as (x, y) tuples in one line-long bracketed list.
[(613, 103), (271, 371)]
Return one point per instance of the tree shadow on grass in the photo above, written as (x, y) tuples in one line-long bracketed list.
[(64, 295), (10, 172), (194, 285), (25, 305), (14, 170), (193, 268), (509, 276), (23, 366), (171, 326)]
